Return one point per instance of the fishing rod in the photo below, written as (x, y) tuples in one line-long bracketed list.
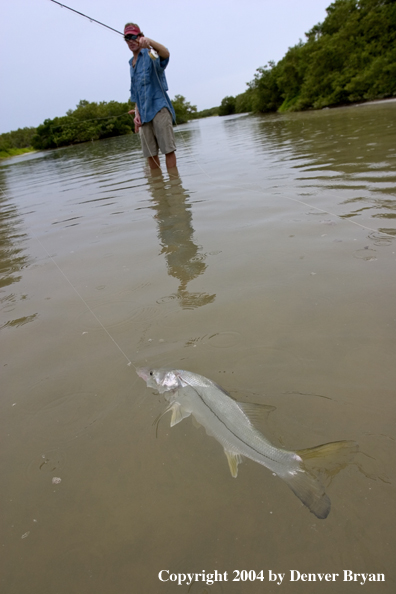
[(152, 53), (86, 16)]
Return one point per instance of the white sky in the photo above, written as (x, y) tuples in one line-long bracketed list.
[(51, 58)]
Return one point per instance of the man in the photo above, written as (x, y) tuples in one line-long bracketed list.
[(153, 111)]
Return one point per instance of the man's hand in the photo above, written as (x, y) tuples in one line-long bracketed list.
[(144, 42), (136, 120), (147, 43)]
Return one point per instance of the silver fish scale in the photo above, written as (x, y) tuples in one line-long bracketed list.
[(229, 424), (226, 420)]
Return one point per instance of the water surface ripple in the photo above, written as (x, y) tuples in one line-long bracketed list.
[(268, 265)]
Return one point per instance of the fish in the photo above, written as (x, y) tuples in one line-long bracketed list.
[(233, 425)]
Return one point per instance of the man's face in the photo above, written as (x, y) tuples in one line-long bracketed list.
[(133, 44)]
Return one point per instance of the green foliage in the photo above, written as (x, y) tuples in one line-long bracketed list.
[(89, 121), (227, 106), (349, 57), (183, 109), (207, 113), (266, 95), (16, 142), (244, 102)]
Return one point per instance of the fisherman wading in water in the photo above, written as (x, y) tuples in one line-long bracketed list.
[(153, 111)]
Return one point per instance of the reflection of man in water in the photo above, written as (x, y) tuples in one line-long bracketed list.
[(175, 232)]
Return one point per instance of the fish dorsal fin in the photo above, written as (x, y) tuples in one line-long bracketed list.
[(233, 461), (256, 413), (178, 414)]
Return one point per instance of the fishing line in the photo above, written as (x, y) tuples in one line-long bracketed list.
[(333, 214), (120, 115), (198, 164), (262, 191), (120, 33), (76, 291), (167, 100)]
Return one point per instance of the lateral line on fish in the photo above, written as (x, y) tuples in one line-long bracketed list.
[(226, 426)]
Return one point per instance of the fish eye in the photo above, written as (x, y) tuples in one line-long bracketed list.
[(151, 373)]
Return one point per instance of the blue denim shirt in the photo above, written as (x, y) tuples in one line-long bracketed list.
[(149, 86)]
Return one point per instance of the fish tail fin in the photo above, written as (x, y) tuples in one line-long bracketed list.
[(310, 491), (319, 466), (326, 460)]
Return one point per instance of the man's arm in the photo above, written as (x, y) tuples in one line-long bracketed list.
[(137, 121), (161, 50)]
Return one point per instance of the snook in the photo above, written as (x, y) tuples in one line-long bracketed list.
[(230, 423)]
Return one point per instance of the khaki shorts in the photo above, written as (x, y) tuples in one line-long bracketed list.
[(158, 134)]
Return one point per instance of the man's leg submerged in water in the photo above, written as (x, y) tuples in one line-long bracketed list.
[(170, 159), (154, 162)]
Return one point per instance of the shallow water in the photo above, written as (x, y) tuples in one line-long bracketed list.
[(267, 265)]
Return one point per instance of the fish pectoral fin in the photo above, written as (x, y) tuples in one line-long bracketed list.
[(256, 412), (178, 413), (157, 420), (233, 461)]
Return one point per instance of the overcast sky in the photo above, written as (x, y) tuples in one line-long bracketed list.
[(51, 58)]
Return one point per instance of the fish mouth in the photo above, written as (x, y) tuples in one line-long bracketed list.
[(144, 373)]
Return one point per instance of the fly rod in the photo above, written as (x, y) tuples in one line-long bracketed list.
[(152, 52), (87, 17)]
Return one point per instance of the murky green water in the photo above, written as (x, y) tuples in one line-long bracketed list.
[(268, 266)]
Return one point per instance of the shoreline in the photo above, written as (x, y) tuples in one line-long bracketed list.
[(20, 152), (373, 101), (356, 104)]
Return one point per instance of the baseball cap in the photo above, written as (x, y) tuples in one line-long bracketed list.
[(132, 30)]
